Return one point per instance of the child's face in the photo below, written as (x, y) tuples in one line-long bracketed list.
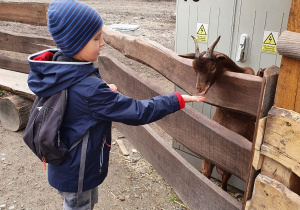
[(91, 50)]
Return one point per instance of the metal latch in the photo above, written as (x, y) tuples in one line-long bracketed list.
[(241, 55)]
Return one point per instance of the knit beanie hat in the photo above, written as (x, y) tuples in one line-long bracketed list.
[(72, 24)]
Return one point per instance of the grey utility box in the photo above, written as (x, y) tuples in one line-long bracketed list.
[(249, 31)]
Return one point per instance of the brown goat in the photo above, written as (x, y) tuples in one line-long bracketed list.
[(209, 65)]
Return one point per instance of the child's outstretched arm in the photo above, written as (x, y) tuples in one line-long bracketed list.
[(188, 98)]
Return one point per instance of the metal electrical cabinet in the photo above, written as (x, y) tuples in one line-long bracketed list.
[(249, 31)]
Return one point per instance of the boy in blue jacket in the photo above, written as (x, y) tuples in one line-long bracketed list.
[(92, 104)]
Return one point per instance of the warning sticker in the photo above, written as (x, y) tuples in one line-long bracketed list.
[(202, 32), (270, 42)]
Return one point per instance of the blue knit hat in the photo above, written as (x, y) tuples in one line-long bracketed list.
[(72, 24)]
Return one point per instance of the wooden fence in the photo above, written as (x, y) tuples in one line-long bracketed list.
[(252, 96)]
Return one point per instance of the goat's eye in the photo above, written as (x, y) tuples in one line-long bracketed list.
[(212, 69)]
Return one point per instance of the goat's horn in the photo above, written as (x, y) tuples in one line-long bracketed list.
[(210, 50), (197, 53)]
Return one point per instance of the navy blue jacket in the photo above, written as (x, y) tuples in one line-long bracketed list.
[(91, 106)]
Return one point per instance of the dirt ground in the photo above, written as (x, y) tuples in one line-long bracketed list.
[(132, 183)]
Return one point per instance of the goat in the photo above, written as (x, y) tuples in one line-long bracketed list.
[(209, 66)]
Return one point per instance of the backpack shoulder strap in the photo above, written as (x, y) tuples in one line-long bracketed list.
[(82, 162)]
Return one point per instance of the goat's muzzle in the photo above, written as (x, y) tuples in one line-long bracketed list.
[(201, 90)]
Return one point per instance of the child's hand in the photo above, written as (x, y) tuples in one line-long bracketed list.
[(188, 98), (113, 87)]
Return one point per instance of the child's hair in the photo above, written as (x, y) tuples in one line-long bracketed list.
[(72, 24)]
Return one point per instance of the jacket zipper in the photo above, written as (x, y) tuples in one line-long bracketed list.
[(45, 111), (102, 151)]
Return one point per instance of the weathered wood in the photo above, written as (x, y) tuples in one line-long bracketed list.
[(271, 194), (288, 89), (16, 83), (24, 12), (283, 132), (198, 133), (277, 171), (14, 112), (24, 44), (288, 44), (179, 70), (122, 147), (183, 177), (266, 100), (14, 64), (281, 158), (258, 158)]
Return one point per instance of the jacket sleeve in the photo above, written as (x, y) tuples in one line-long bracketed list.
[(112, 106)]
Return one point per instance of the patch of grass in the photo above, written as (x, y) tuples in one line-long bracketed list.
[(176, 200), (3, 93)]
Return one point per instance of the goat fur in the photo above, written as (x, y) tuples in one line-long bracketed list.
[(209, 66)]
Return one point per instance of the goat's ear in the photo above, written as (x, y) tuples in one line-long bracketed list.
[(221, 57), (190, 55)]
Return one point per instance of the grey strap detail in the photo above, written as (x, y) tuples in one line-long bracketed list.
[(82, 164), (75, 144)]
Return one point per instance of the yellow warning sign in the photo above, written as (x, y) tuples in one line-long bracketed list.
[(269, 42), (202, 32), (201, 38)]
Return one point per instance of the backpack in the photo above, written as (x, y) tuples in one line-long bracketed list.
[(42, 133)]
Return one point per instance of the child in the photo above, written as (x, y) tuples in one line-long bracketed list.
[(92, 104)]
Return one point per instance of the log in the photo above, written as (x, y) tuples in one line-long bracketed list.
[(288, 44), (271, 194), (14, 112), (15, 83), (24, 12)]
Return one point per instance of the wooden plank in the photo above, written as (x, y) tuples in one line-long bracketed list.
[(288, 88), (183, 177), (24, 12), (195, 131), (122, 147), (283, 132), (15, 82), (10, 41), (258, 158), (281, 158), (233, 91), (288, 44), (14, 64), (277, 171), (266, 100), (271, 194)]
